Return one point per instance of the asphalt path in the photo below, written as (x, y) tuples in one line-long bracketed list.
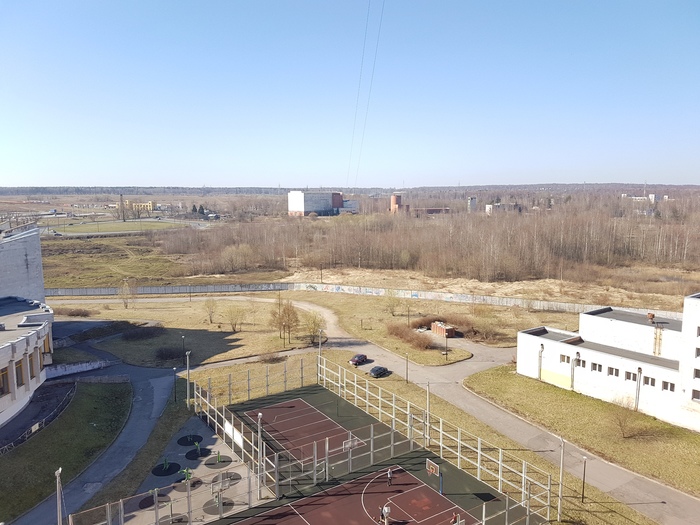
[(659, 502)]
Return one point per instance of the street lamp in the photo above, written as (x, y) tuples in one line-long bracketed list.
[(583, 486), (175, 383), (319, 342), (183, 349), (59, 511), (284, 334), (260, 461), (406, 367), (187, 355)]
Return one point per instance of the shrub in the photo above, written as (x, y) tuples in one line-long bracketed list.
[(72, 312), (168, 353), (112, 328), (143, 332), (407, 335), (271, 358)]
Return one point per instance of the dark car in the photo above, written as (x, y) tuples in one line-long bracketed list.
[(379, 371), (358, 359)]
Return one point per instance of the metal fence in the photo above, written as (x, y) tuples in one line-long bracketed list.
[(527, 485), (193, 500), (262, 471)]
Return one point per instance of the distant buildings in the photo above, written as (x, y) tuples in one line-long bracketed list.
[(25, 321), (636, 360), (303, 203)]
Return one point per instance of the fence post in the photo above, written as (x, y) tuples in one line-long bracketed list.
[(229, 389), (278, 490), (507, 507), (328, 464), (301, 370), (250, 487), (527, 505), (121, 512), (483, 513), (249, 384), (155, 504), (459, 447), (267, 380), (549, 494), (189, 500), (285, 376), (524, 482), (371, 444), (500, 470), (315, 461), (478, 459)]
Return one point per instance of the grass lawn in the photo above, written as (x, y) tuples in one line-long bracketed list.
[(69, 355), (77, 225), (71, 442), (599, 509), (127, 482), (366, 317), (655, 449)]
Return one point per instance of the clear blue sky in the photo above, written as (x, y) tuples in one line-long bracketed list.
[(266, 93)]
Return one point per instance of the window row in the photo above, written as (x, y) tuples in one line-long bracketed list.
[(629, 376)]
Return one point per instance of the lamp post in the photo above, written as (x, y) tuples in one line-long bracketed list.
[(260, 463), (445, 345), (284, 334), (59, 512), (406, 367), (183, 349), (319, 342), (175, 384), (583, 486), (187, 355)]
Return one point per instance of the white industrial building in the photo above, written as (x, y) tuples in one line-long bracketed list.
[(641, 361), (303, 203), (25, 321)]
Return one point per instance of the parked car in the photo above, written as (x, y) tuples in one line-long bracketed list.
[(358, 359), (378, 371)]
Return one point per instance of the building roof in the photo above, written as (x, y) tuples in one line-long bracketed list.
[(636, 318), (12, 312), (574, 339)]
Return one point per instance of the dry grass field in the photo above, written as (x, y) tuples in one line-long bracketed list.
[(653, 448)]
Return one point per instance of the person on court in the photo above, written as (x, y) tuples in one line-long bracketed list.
[(388, 478)]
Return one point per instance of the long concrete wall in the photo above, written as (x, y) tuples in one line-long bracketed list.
[(492, 300)]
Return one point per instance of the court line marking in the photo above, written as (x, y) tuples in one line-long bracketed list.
[(302, 517)]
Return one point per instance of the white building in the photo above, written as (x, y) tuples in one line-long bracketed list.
[(302, 203), (644, 362), (25, 321)]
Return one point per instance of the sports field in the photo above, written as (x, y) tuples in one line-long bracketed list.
[(312, 426)]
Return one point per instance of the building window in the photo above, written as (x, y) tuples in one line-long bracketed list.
[(697, 373), (19, 376), (596, 367), (564, 358), (697, 352), (696, 395), (665, 385), (31, 366), (630, 376), (613, 371), (649, 381), (4, 382), (581, 362)]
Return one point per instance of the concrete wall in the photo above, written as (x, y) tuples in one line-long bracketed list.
[(21, 273)]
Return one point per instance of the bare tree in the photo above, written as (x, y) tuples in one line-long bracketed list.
[(312, 324), (210, 307), (235, 315), (127, 292)]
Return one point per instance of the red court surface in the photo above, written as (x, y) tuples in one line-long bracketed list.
[(295, 425), (358, 502)]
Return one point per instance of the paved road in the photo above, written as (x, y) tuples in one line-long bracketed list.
[(663, 504)]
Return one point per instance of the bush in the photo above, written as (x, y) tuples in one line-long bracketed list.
[(460, 322), (168, 354), (271, 358), (72, 312), (112, 328), (143, 332), (408, 335)]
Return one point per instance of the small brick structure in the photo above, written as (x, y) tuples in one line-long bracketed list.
[(442, 329)]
